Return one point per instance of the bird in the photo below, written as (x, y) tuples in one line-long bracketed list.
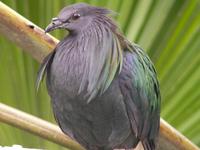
[(104, 89)]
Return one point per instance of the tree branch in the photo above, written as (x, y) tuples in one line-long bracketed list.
[(24, 33), (36, 126), (33, 40)]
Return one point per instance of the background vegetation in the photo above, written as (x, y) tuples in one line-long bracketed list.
[(168, 30)]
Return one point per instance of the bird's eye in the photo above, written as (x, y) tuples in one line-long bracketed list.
[(75, 16)]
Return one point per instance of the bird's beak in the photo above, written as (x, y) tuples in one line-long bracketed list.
[(55, 24)]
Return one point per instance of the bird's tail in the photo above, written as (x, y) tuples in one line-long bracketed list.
[(148, 144)]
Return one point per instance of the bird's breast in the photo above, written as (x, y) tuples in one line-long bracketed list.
[(67, 70)]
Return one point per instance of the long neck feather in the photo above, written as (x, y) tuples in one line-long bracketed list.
[(103, 52)]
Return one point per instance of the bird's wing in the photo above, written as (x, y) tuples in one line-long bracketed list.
[(42, 70), (140, 88)]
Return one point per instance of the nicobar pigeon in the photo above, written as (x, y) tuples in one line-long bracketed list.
[(104, 90)]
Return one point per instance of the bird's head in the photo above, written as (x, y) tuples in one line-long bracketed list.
[(76, 17)]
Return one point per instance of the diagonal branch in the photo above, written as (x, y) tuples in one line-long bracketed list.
[(36, 126), (24, 33), (33, 40)]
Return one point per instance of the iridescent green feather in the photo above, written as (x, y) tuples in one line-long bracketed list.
[(147, 100)]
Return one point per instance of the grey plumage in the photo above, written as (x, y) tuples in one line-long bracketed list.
[(104, 90)]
